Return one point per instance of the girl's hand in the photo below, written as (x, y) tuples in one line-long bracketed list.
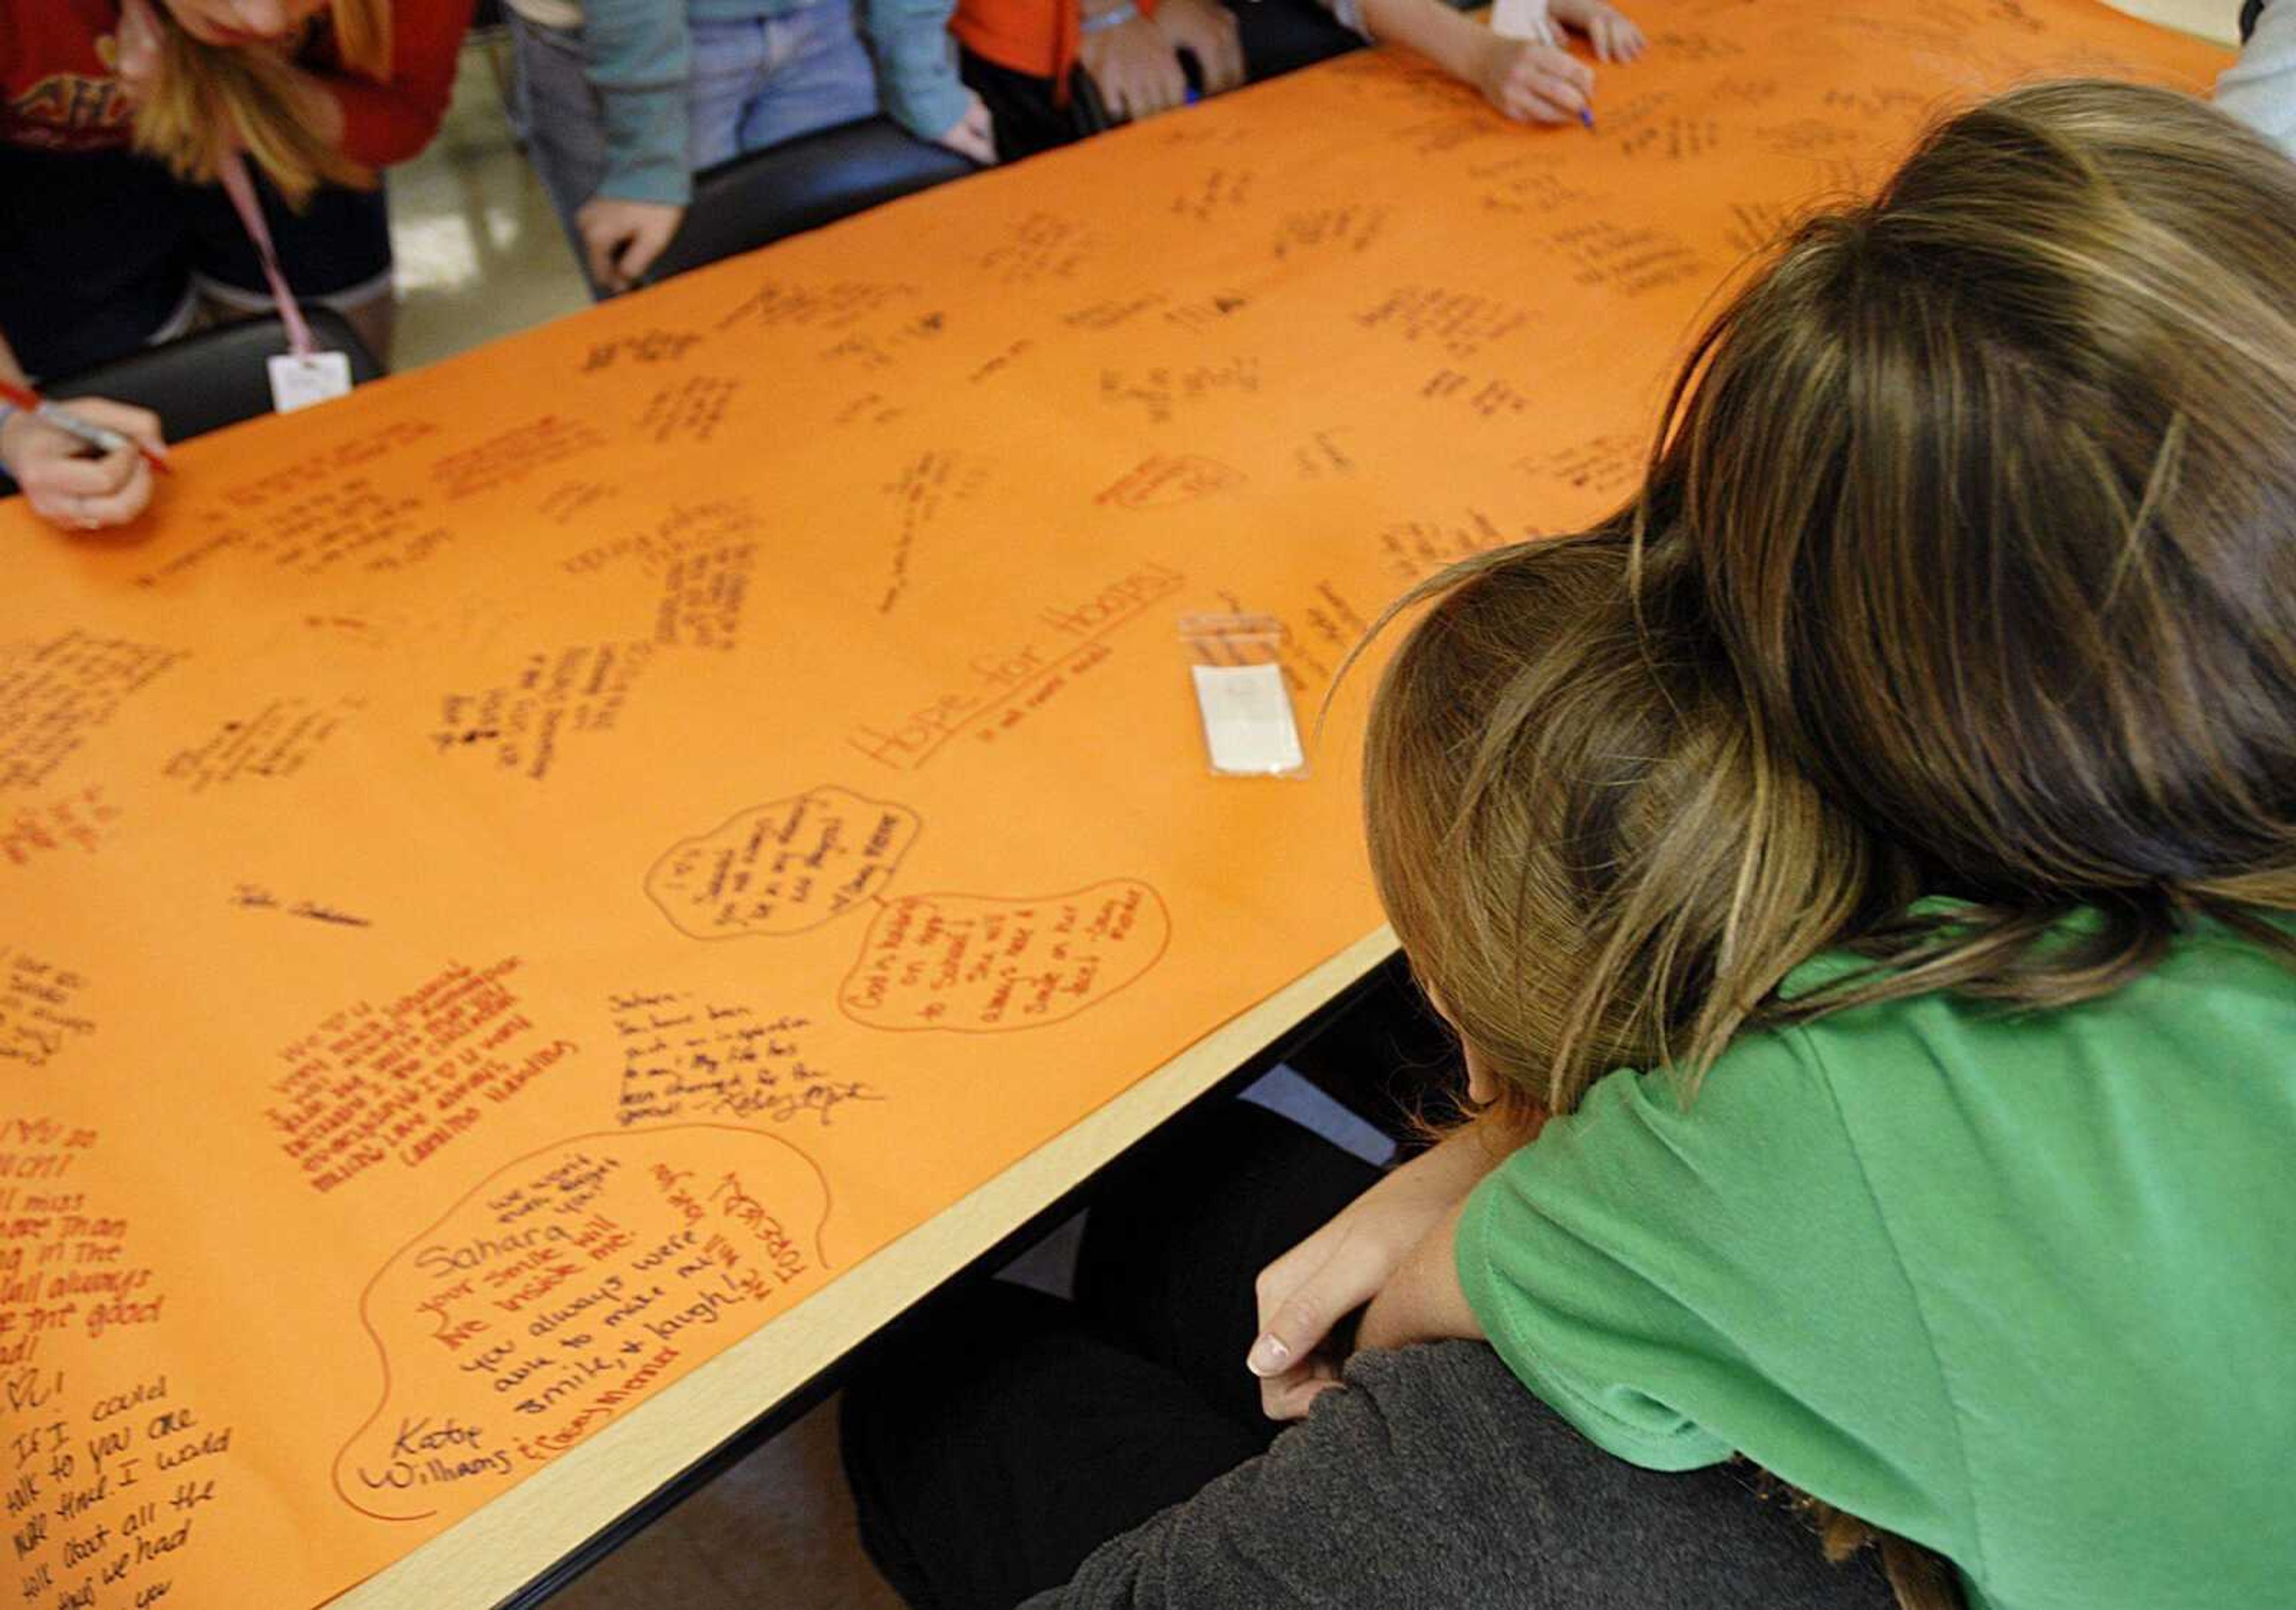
[(1615, 37), (973, 134), (1206, 29), (1309, 1290), (622, 238), (1532, 83), (67, 489), (1135, 68)]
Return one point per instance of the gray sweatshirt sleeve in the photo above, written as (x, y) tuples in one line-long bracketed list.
[(2259, 89), (1436, 1482)]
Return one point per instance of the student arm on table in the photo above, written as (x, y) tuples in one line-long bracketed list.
[(917, 78), (1436, 1479), (1206, 30), (1304, 1295), (1130, 59), (637, 57), (1529, 82), (1393, 1491)]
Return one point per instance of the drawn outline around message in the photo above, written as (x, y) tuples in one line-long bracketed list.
[(367, 1293), (875, 896), (891, 868), (1163, 912)]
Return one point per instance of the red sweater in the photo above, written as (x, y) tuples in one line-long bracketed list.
[(57, 92)]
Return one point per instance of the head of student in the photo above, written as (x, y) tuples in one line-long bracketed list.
[(210, 76), (242, 21), (1559, 782), (1966, 567)]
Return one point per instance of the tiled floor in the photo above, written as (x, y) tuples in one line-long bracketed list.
[(481, 255)]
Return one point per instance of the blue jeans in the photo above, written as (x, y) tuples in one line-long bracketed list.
[(756, 83), (753, 85)]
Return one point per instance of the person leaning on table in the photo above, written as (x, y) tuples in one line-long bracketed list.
[(622, 100), (115, 235)]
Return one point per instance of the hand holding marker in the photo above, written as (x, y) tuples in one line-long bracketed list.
[(101, 438)]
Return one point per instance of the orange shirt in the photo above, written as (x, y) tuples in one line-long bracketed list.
[(1039, 38)]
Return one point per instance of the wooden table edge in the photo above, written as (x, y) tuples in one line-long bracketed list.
[(489, 1557)]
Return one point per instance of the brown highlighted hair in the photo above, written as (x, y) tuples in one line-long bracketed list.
[(209, 97), (1992, 487), (1966, 566), (1561, 788)]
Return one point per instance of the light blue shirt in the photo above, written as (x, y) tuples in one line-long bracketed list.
[(639, 58)]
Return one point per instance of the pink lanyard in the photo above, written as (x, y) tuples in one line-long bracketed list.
[(232, 172)]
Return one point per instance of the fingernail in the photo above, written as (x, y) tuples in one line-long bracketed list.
[(1268, 1355)]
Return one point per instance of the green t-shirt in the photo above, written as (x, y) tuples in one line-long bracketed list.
[(2020, 1288)]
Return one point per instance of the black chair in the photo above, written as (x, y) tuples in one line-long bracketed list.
[(757, 199), (1282, 36), (215, 378)]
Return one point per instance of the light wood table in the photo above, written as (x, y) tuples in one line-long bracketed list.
[(537, 1536)]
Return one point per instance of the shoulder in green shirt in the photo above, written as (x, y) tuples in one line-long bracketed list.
[(2017, 1287)]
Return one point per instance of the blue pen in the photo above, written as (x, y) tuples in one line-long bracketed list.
[(1586, 115)]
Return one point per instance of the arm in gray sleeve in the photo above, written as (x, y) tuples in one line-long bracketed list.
[(1436, 1482)]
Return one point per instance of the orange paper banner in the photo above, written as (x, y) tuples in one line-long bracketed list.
[(516, 878)]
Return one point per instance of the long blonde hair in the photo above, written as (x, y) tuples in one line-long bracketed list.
[(207, 98)]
